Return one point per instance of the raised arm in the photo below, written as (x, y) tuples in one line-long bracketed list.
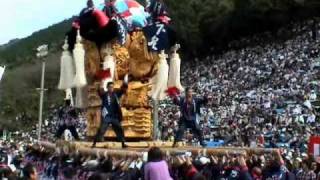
[(124, 87), (123, 90), (101, 91)]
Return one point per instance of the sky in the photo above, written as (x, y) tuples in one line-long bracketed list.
[(20, 18)]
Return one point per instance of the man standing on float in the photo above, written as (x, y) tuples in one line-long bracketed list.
[(67, 120), (111, 113), (190, 109)]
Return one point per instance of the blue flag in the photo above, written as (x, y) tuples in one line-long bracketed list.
[(157, 37)]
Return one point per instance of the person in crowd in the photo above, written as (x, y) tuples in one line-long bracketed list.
[(156, 167), (306, 172), (30, 172)]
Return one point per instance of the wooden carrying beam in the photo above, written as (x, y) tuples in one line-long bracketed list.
[(139, 152)]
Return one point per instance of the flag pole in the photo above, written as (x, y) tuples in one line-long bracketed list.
[(42, 52), (41, 99)]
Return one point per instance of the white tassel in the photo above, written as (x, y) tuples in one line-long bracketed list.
[(80, 98), (160, 81), (108, 63), (79, 54), (67, 73), (69, 96), (174, 72)]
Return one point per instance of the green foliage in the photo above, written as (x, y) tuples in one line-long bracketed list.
[(24, 50), (19, 96), (213, 23)]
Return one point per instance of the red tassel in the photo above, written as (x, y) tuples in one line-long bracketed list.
[(172, 91), (103, 74), (102, 19)]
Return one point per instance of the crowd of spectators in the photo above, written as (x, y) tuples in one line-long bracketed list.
[(264, 96)]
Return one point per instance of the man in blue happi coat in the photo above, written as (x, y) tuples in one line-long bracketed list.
[(190, 109), (68, 118), (111, 113)]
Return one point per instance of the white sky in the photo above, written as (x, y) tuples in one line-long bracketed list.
[(20, 18)]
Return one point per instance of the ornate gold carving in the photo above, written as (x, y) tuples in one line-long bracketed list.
[(134, 59), (137, 95), (142, 63), (121, 55), (92, 57)]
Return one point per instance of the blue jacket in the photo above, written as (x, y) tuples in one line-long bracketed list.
[(195, 107), (113, 107)]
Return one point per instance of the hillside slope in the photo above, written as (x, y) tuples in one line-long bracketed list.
[(19, 99)]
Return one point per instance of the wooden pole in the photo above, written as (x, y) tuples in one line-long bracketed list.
[(99, 152), (41, 99), (155, 119)]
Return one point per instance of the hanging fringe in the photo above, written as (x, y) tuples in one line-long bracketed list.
[(174, 72), (108, 65), (109, 62), (160, 81), (67, 73), (69, 96), (79, 54)]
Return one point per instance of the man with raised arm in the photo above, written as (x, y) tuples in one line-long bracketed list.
[(111, 112), (190, 109)]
